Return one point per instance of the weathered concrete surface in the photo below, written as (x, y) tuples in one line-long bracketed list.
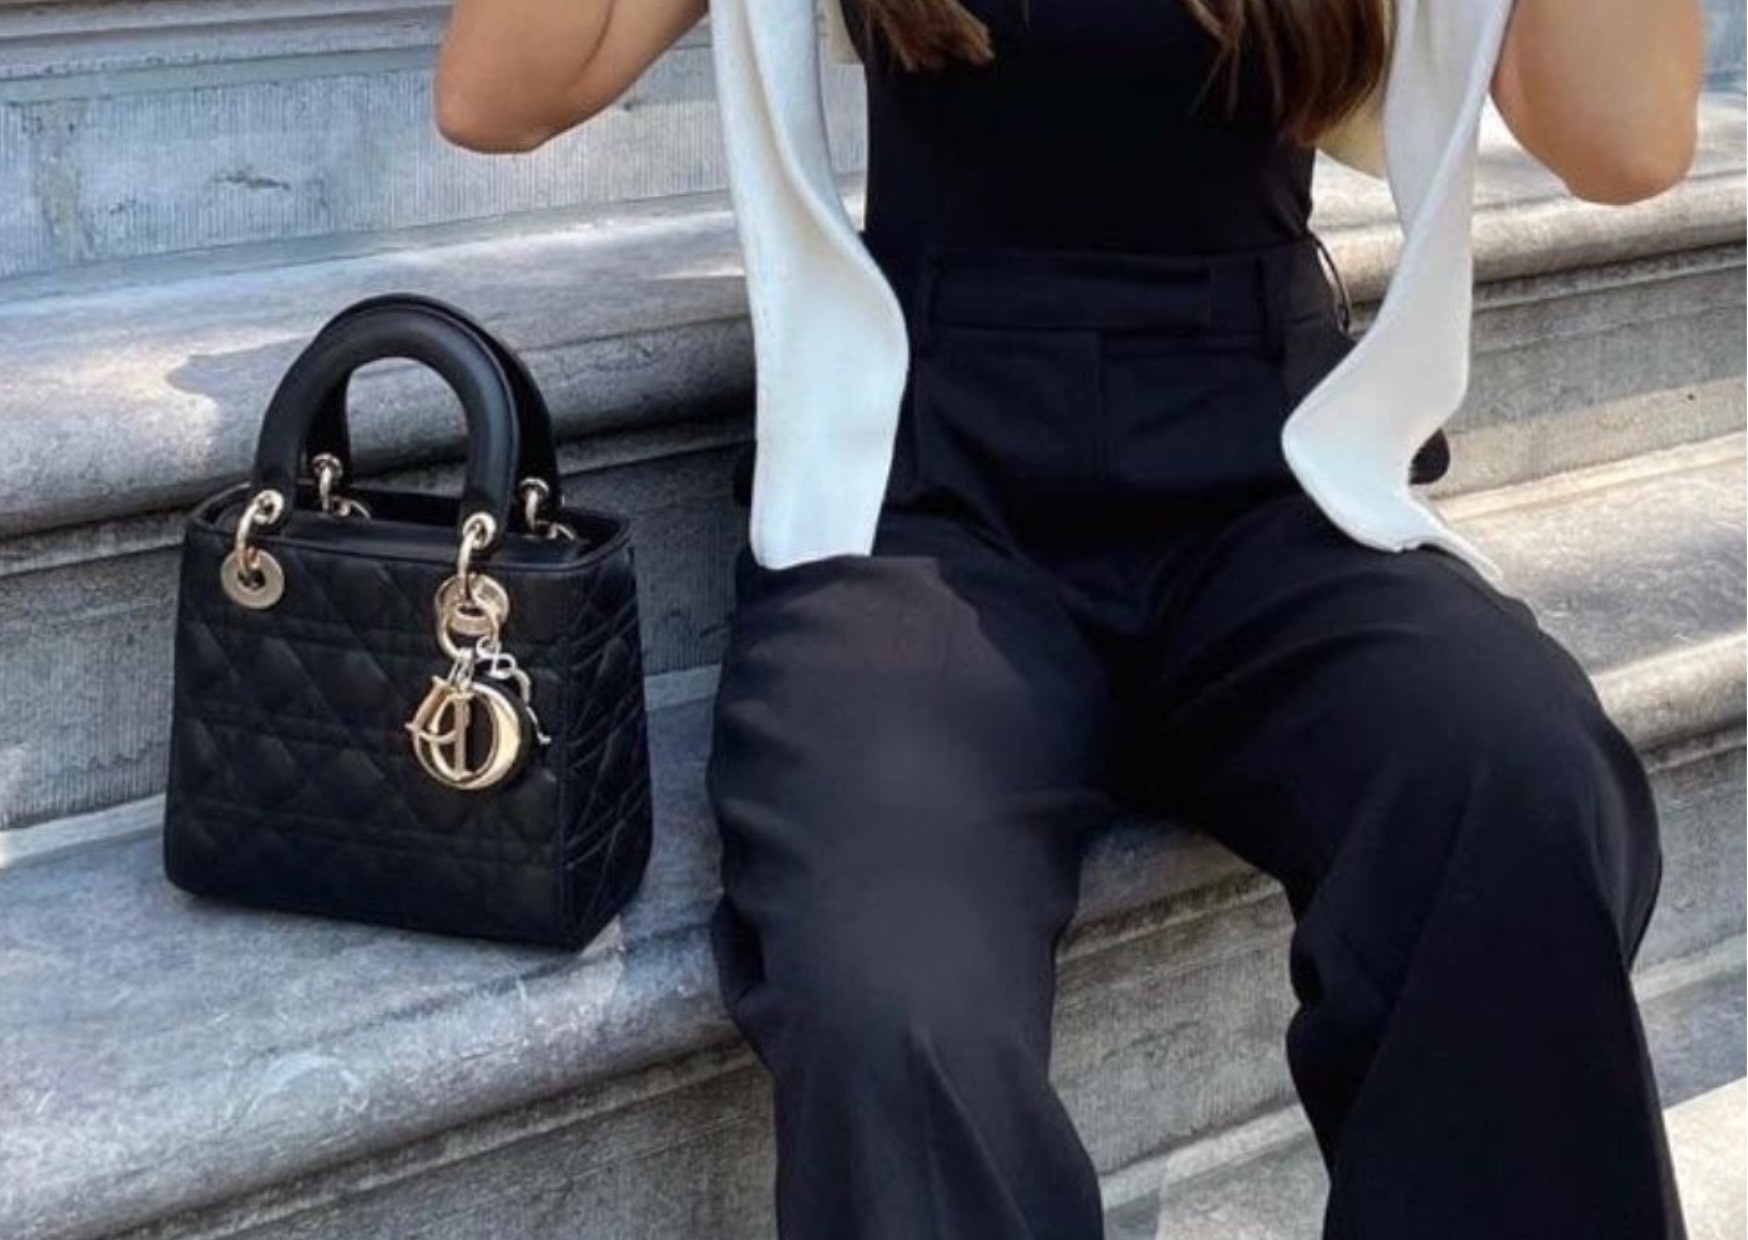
[(295, 129), (1726, 26), (1623, 557), (1709, 1135)]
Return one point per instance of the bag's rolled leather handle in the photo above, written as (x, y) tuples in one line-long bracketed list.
[(539, 452), (319, 375)]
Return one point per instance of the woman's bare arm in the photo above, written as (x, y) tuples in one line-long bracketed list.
[(512, 74), (1605, 93)]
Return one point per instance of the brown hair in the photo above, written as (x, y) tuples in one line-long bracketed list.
[(1322, 59)]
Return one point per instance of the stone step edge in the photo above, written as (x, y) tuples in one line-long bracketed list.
[(1676, 704), (1489, 454), (1274, 1131), (1515, 239), (1551, 489)]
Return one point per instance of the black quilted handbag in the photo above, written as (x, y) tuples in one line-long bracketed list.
[(401, 707)]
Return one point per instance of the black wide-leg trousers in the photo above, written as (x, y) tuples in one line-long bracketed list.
[(1097, 588)]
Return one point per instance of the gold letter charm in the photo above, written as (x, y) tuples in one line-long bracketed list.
[(443, 729)]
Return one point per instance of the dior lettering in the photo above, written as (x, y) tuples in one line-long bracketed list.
[(444, 740)]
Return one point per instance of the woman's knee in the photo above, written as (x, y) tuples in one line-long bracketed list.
[(1554, 787), (868, 711), (1515, 814), (864, 984)]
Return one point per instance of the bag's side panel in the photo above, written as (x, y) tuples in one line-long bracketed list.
[(606, 804)]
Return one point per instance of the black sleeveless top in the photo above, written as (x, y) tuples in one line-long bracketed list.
[(1083, 132)]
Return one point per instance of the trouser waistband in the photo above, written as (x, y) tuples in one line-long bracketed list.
[(1260, 290)]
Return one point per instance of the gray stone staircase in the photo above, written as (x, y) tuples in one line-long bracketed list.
[(197, 196)]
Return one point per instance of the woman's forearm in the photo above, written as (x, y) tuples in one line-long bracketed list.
[(1605, 92), (511, 74)]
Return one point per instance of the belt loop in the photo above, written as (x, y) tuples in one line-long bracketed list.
[(1346, 308)]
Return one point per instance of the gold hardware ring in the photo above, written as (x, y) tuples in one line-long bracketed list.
[(328, 471), (535, 494), (252, 576)]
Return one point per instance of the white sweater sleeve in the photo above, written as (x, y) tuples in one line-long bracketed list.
[(843, 49)]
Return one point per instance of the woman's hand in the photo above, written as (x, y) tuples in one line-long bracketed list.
[(1605, 93), (512, 74)]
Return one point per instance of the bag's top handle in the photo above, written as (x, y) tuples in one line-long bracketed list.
[(473, 372), (538, 451)]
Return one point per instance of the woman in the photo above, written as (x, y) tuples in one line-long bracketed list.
[(1093, 581)]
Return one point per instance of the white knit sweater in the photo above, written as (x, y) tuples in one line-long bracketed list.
[(830, 342)]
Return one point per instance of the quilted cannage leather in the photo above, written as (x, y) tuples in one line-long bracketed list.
[(292, 780)]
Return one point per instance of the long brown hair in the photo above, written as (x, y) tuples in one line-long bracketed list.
[(1321, 59)]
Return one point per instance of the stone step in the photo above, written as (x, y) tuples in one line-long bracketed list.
[(1264, 1180), (1708, 1135), (152, 135), (163, 135), (1600, 334), (350, 1078)]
